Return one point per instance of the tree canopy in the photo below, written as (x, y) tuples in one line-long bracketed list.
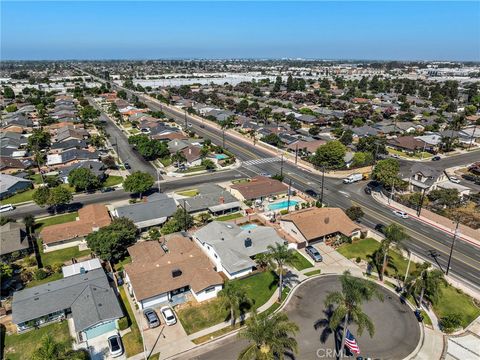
[(386, 172), (180, 220), (138, 182), (83, 179), (150, 149), (330, 155)]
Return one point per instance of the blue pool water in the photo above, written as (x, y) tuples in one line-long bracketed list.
[(220, 156), (282, 205), (248, 226)]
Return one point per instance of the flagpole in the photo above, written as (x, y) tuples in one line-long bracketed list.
[(342, 345)]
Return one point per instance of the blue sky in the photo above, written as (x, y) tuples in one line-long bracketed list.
[(328, 30)]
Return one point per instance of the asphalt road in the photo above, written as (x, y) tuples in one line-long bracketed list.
[(120, 143), (397, 331)]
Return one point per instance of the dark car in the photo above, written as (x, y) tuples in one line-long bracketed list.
[(436, 158), (127, 166), (380, 228), (314, 253), (311, 193), (418, 315), (107, 189), (151, 317), (368, 190)]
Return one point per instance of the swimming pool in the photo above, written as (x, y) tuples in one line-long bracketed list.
[(282, 205), (220, 156), (248, 226)]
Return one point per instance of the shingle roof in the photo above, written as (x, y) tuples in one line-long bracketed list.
[(88, 295), (317, 222), (155, 207), (7, 181), (13, 238), (228, 241), (150, 272), (260, 186)]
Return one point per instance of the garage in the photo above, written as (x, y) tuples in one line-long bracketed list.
[(154, 301), (100, 329)]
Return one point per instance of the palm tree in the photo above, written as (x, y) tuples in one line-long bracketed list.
[(179, 157), (394, 236), (280, 255), (426, 283), (269, 337), (29, 222), (233, 297), (48, 350), (348, 304)]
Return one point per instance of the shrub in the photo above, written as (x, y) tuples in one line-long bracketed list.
[(451, 322), (284, 212), (57, 267), (31, 261), (358, 259), (123, 323), (40, 274)]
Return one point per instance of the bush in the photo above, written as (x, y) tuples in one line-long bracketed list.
[(123, 323), (284, 212), (450, 322), (40, 274), (31, 261), (358, 259), (57, 268)]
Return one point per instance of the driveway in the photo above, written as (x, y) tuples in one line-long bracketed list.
[(330, 256), (397, 331)]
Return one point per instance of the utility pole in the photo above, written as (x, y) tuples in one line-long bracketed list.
[(323, 181), (186, 120), (392, 190), (408, 268), (296, 153), (375, 156), (451, 248), (289, 191), (158, 179), (420, 205), (185, 215), (281, 166), (223, 137), (473, 135)]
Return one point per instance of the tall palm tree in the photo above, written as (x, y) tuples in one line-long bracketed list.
[(179, 157), (280, 255), (233, 297), (29, 222), (270, 337), (394, 237), (348, 305), (426, 283), (48, 350)]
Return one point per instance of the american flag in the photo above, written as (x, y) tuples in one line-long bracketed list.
[(351, 343)]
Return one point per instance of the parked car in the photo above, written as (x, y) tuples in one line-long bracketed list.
[(401, 214), (127, 166), (266, 175), (418, 315), (367, 190), (311, 193), (115, 345), (168, 315), (470, 177), (152, 318), (454, 179), (7, 207), (380, 228), (107, 189), (314, 253), (436, 158)]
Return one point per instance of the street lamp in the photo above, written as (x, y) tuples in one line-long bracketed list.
[(323, 181), (455, 234)]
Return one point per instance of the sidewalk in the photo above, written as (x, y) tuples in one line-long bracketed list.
[(427, 217)]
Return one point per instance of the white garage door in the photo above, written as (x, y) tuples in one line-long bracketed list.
[(153, 301)]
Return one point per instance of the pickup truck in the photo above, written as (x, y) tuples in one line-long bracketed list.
[(352, 178)]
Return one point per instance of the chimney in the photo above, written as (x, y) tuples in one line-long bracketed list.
[(190, 151), (222, 200)]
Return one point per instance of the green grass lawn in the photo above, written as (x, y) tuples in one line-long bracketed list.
[(259, 289), (193, 169), (53, 277), (419, 155), (133, 340), (365, 247), (313, 272), (22, 346), (53, 220), (60, 256), (112, 180), (166, 161), (19, 198), (229, 217), (300, 262), (119, 266), (189, 193), (454, 301)]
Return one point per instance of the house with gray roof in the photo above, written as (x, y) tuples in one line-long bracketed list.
[(87, 298), (70, 156), (211, 198), (96, 167), (232, 248), (13, 238), (421, 177), (10, 185), (153, 211)]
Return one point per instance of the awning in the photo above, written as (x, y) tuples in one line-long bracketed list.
[(223, 207)]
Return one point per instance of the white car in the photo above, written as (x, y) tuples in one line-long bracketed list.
[(401, 214), (7, 207), (168, 315), (115, 345), (454, 179)]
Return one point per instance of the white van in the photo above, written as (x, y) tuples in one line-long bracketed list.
[(7, 207)]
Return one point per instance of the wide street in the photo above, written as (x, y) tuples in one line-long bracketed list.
[(394, 338)]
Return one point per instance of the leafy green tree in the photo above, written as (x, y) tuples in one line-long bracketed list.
[(40, 196), (8, 92), (179, 158), (233, 297), (272, 139), (425, 283), (209, 164), (150, 149), (355, 213), (445, 197), (348, 305), (97, 141), (39, 140), (29, 222), (270, 337), (362, 159), (347, 137), (110, 243), (394, 237), (179, 221), (50, 349), (59, 196), (451, 322), (280, 256), (138, 182), (11, 108), (372, 144), (83, 179), (154, 234), (386, 172), (331, 155), (6, 270)]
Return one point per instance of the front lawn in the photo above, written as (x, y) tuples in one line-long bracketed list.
[(60, 256), (454, 301), (229, 217), (300, 262), (193, 169), (19, 198), (132, 341), (112, 180), (366, 247), (53, 220), (417, 155), (188, 193), (312, 273), (22, 346), (259, 288)]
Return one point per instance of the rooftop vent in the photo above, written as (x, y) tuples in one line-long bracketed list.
[(176, 273), (248, 242), (327, 220)]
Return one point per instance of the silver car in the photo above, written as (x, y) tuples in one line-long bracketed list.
[(115, 345), (314, 253), (151, 317)]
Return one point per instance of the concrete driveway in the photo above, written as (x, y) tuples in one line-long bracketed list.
[(330, 256)]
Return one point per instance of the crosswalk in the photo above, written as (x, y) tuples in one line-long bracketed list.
[(261, 161)]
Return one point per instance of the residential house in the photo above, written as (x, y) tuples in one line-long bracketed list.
[(305, 148), (167, 273), (71, 156), (211, 198), (432, 142), (409, 144), (10, 165), (422, 177), (60, 236), (232, 248), (96, 167), (10, 185), (61, 146), (87, 298), (258, 188), (154, 210), (313, 225), (13, 239)]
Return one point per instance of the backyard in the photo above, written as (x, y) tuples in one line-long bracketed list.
[(229, 217), (197, 316), (22, 346)]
